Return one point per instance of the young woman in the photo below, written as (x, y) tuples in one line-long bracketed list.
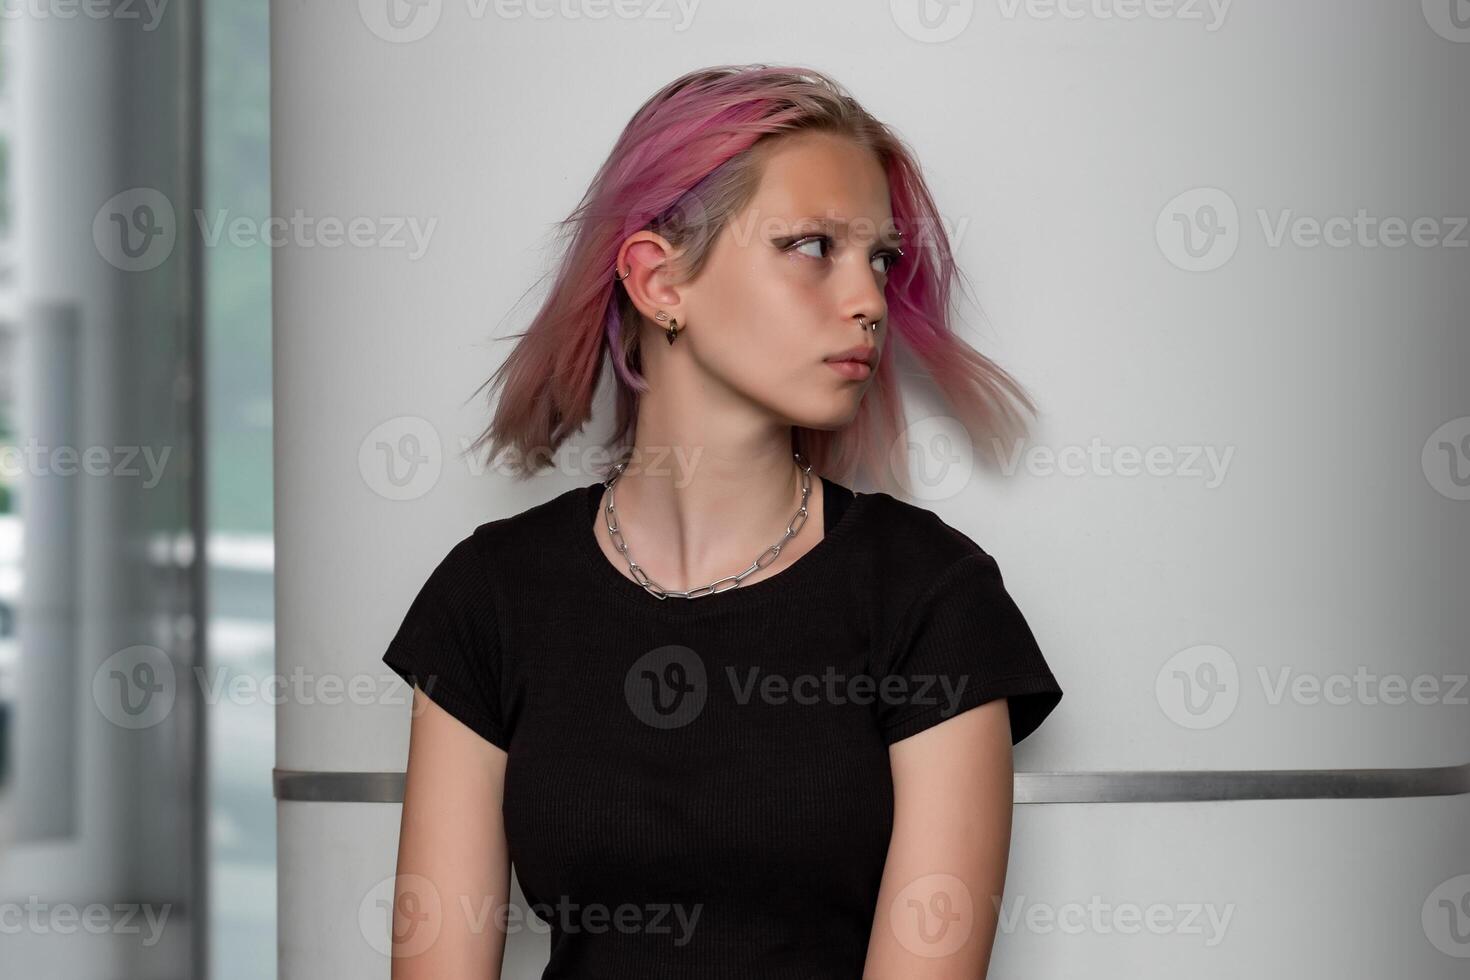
[(725, 717)]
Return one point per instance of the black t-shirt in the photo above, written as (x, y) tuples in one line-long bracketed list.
[(701, 787)]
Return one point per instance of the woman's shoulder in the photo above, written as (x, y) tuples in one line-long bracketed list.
[(532, 519), (485, 568), (517, 539), (913, 539)]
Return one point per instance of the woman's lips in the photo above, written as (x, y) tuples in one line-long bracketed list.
[(853, 370)]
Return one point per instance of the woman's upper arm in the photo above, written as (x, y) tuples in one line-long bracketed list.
[(453, 877), (945, 873)]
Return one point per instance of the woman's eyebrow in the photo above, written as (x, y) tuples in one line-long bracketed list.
[(889, 236)]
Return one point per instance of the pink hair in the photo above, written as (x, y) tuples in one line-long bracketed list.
[(683, 166)]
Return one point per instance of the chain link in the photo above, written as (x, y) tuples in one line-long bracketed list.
[(765, 558)]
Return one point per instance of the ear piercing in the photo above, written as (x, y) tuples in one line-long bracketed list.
[(673, 330)]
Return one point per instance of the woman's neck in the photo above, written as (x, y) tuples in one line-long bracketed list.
[(690, 516)]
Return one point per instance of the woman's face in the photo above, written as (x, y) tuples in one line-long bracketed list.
[(778, 298)]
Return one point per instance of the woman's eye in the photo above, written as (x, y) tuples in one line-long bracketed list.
[(889, 260), (819, 246), (820, 242)]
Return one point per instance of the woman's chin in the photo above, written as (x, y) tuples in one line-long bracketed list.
[(834, 413)]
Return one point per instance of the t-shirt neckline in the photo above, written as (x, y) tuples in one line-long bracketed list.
[(588, 503)]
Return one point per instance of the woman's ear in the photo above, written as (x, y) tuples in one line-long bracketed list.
[(642, 268)]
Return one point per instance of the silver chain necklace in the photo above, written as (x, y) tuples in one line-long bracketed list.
[(765, 558)]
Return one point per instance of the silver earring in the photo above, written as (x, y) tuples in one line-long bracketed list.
[(673, 331)]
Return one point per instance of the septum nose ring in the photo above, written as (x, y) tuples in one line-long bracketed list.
[(863, 322)]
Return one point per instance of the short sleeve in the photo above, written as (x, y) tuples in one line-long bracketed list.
[(962, 643), (446, 643)]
